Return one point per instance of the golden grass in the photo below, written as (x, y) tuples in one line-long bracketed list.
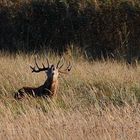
[(97, 100)]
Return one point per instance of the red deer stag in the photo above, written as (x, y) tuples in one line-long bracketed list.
[(49, 88)]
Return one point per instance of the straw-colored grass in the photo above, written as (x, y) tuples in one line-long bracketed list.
[(97, 100)]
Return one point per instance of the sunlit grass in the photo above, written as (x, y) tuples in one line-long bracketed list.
[(97, 100)]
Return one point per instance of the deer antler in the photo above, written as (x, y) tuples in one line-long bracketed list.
[(59, 67), (36, 68), (66, 70)]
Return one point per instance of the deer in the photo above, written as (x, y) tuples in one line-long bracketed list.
[(50, 86)]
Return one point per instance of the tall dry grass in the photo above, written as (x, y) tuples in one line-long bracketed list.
[(97, 100)]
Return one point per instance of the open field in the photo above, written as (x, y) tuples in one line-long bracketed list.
[(97, 100)]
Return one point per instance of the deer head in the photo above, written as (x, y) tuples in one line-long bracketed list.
[(52, 71)]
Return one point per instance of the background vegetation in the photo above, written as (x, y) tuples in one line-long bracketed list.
[(99, 27)]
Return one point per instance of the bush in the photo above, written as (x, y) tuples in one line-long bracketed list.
[(104, 28)]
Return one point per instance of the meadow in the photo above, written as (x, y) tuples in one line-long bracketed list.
[(97, 100)]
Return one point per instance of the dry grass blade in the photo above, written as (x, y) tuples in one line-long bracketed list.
[(98, 101)]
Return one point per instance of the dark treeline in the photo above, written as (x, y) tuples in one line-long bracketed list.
[(105, 28)]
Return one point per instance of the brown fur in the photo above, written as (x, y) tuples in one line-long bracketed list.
[(49, 88), (46, 90)]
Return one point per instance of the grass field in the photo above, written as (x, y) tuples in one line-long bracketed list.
[(97, 100)]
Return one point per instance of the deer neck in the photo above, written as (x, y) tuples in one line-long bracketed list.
[(51, 85), (48, 83)]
